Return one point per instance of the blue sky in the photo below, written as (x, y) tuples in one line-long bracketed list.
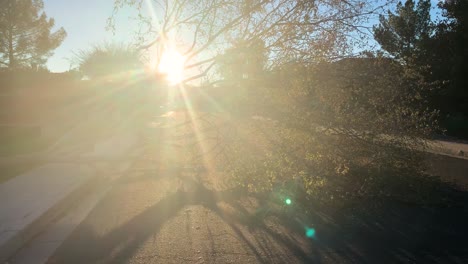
[(85, 22)]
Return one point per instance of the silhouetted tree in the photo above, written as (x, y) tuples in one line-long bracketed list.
[(26, 37), (406, 34), (292, 30), (451, 49), (328, 129), (435, 50)]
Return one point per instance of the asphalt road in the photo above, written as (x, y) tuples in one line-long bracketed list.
[(160, 212)]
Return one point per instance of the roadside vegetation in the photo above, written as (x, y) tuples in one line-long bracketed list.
[(302, 103)]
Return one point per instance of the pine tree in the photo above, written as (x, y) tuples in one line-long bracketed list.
[(405, 34), (26, 37)]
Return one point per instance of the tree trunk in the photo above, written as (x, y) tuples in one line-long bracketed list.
[(11, 57)]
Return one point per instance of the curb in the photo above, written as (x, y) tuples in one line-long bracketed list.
[(12, 245), (62, 207)]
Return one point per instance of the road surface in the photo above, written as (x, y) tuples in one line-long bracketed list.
[(161, 213), (164, 211)]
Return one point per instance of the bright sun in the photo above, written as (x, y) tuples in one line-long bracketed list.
[(172, 64)]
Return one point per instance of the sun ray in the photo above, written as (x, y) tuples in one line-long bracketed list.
[(197, 131)]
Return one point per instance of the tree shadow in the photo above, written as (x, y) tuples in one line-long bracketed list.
[(122, 243), (392, 233), (271, 232)]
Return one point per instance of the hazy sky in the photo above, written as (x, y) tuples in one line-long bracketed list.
[(85, 22)]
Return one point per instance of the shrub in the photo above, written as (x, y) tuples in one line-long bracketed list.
[(353, 128), (108, 61)]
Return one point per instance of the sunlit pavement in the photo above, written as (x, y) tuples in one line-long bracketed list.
[(66, 171), (163, 210), (159, 213), (35, 202), (144, 222)]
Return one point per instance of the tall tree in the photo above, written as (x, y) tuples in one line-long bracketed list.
[(424, 47), (405, 34), (452, 49), (290, 30), (26, 37), (328, 127)]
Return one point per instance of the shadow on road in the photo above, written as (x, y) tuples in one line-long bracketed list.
[(260, 230), (149, 218)]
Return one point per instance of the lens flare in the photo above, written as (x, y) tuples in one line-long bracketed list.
[(310, 232), (172, 64)]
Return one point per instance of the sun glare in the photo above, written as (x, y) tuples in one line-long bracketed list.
[(172, 64)]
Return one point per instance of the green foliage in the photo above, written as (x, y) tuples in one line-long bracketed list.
[(108, 60), (330, 130), (26, 37), (451, 51), (243, 61), (335, 131), (435, 50), (405, 34)]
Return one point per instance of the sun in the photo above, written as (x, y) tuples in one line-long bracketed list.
[(172, 65)]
